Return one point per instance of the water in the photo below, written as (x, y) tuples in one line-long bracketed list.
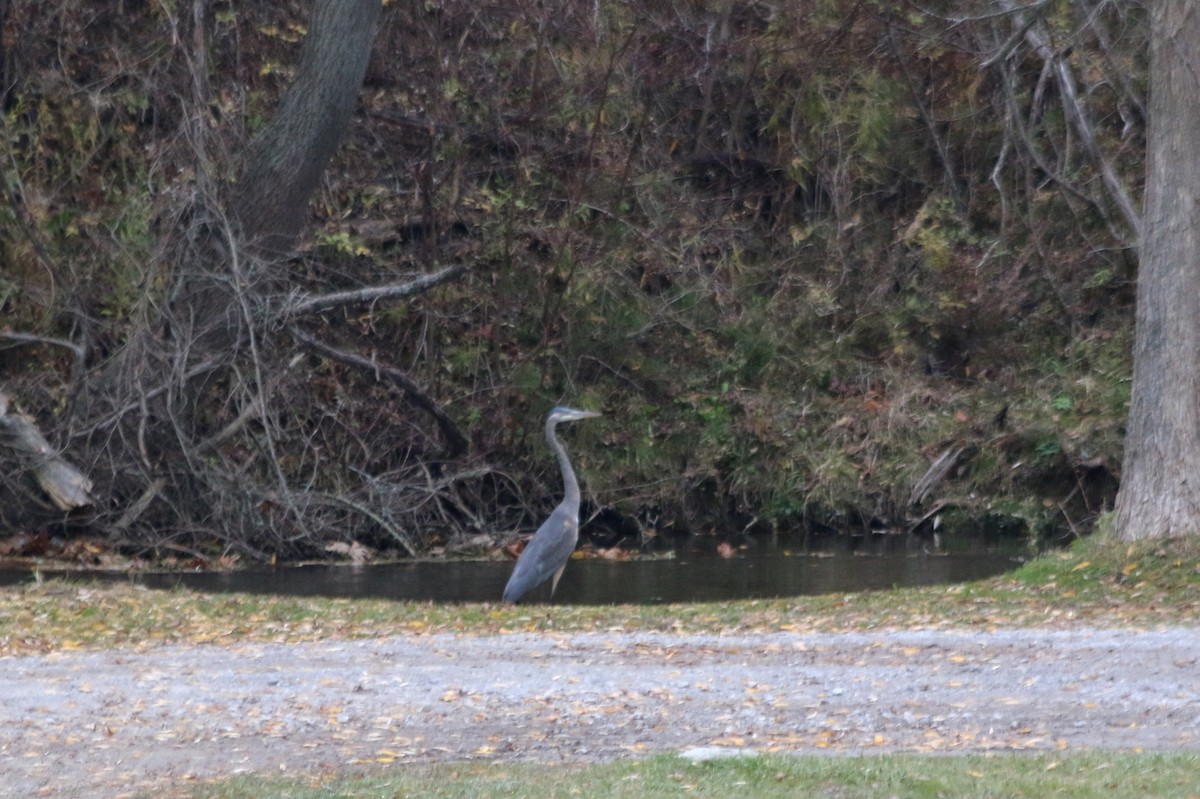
[(762, 571)]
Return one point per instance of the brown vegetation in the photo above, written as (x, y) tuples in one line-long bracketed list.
[(798, 254)]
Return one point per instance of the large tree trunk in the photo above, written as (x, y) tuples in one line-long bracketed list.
[(1160, 489), (285, 161), (267, 206)]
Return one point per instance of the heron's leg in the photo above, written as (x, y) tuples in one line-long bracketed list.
[(554, 581)]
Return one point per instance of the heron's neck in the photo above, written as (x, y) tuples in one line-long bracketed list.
[(570, 484)]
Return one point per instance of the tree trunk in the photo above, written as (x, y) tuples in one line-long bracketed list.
[(285, 162), (281, 169), (1160, 493)]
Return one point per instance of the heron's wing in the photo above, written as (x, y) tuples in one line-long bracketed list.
[(547, 552)]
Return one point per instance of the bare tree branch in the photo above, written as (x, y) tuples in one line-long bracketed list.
[(115, 416), (456, 442), (1017, 124), (393, 530), (1037, 38), (29, 338), (392, 291)]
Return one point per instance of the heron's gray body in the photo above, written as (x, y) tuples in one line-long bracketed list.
[(548, 551)]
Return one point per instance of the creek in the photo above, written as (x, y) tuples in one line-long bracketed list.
[(693, 571)]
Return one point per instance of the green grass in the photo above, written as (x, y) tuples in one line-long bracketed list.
[(1111, 775)]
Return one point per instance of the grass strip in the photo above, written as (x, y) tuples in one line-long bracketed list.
[(1089, 774)]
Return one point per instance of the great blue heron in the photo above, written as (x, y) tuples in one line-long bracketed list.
[(548, 551)]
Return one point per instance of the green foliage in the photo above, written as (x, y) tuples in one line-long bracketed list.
[(342, 242)]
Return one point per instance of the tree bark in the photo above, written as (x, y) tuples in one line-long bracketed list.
[(1160, 493), (285, 161), (281, 169)]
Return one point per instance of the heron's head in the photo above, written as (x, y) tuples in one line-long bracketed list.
[(565, 414)]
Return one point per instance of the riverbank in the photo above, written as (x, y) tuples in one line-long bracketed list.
[(1097, 583), (116, 690)]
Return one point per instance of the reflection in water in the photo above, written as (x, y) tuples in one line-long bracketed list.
[(689, 577)]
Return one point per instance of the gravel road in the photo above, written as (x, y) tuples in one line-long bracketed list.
[(108, 724)]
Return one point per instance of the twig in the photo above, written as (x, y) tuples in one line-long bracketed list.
[(926, 115), (392, 291), (249, 412), (134, 511), (449, 488), (115, 416), (392, 529), (1003, 11), (258, 396), (29, 338), (1048, 169), (24, 219), (937, 508), (1038, 39), (456, 442), (1006, 49)]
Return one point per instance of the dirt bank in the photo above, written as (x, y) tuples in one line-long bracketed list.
[(104, 724)]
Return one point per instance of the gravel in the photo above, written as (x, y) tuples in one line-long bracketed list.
[(110, 723)]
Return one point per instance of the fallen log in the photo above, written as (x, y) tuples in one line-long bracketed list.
[(936, 474), (66, 486)]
